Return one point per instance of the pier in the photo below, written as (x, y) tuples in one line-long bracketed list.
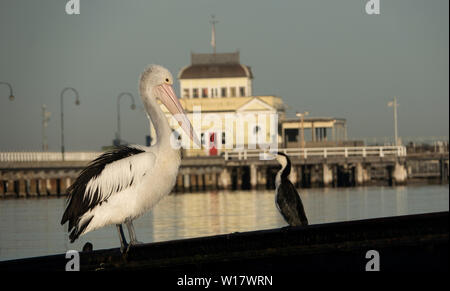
[(404, 243), (36, 174)]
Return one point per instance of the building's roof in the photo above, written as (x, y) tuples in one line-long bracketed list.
[(215, 71), (223, 65)]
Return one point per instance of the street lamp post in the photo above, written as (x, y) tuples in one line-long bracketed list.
[(302, 127), (133, 106), (45, 119), (11, 95), (395, 104), (77, 102)]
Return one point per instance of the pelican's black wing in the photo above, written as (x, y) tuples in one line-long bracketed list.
[(83, 198)]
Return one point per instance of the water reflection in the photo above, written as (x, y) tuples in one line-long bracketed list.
[(30, 227), (200, 214)]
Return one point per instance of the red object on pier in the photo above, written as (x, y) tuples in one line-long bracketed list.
[(212, 145)]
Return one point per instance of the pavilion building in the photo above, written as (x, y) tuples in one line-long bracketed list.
[(221, 88)]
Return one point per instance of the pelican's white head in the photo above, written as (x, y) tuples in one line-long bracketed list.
[(155, 75), (156, 83)]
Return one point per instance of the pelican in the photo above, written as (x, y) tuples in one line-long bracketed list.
[(287, 200), (124, 183)]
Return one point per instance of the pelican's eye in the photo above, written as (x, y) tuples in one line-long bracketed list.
[(167, 80)]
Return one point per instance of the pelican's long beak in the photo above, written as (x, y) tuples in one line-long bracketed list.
[(170, 100)]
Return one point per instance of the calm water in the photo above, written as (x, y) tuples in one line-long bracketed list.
[(30, 227)]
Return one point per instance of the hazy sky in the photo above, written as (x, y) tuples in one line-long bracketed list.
[(327, 57)]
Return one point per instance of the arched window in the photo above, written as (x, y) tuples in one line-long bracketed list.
[(204, 92), (242, 91), (223, 92), (195, 93)]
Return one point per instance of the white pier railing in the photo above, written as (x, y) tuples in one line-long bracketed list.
[(366, 151), (47, 156)]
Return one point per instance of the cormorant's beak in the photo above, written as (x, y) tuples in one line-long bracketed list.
[(170, 100)]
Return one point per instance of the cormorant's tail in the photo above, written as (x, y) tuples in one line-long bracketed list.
[(302, 214), (304, 221)]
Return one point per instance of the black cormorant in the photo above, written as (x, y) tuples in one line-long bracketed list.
[(287, 199)]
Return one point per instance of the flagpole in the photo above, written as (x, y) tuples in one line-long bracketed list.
[(213, 35)]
